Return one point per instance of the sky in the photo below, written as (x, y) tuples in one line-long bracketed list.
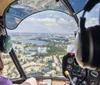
[(55, 22), (48, 22), (92, 17)]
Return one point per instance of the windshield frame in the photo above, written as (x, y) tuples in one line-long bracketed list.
[(70, 9), (67, 5)]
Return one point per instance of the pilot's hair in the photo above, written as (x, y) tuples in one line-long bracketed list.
[(0, 31), (1, 63)]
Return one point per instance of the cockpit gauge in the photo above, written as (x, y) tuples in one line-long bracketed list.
[(83, 72), (69, 67), (94, 74), (70, 60)]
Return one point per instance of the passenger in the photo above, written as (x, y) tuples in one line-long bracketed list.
[(6, 81)]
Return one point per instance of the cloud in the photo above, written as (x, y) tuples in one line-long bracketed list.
[(92, 21), (97, 8), (62, 21), (47, 25), (40, 20)]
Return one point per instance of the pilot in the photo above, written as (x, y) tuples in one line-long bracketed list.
[(6, 81)]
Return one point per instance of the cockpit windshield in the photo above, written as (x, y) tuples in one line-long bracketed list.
[(41, 40)]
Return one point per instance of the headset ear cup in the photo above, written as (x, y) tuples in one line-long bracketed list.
[(5, 44), (1, 43), (91, 48), (79, 54), (84, 41), (95, 35)]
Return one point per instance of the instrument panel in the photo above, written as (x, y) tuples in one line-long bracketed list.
[(78, 74)]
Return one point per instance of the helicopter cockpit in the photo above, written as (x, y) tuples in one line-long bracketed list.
[(43, 35)]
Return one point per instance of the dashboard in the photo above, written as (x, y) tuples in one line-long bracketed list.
[(79, 75)]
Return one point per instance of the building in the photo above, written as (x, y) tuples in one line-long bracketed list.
[(41, 50), (70, 48)]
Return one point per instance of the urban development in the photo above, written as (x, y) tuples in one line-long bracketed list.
[(40, 54)]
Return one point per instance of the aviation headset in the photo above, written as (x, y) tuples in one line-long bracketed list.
[(88, 45), (5, 43), (5, 40)]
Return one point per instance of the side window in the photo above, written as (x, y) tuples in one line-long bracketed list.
[(10, 70), (41, 41), (92, 17)]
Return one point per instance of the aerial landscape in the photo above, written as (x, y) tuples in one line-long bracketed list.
[(40, 54)]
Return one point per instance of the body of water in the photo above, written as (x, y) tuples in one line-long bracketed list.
[(39, 42)]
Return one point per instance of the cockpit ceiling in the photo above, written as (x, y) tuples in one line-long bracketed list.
[(4, 4)]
